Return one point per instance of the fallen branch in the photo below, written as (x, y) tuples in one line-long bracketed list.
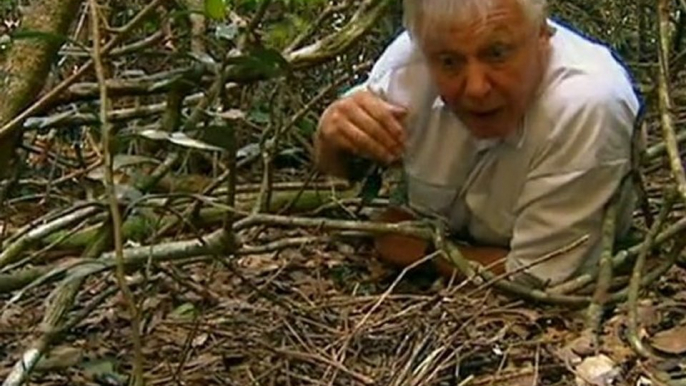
[(637, 274), (594, 314), (14, 248), (620, 259)]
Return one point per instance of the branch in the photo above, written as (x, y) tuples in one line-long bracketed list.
[(594, 314), (665, 101), (14, 248), (330, 9), (124, 50), (620, 259), (367, 16), (636, 276), (115, 214)]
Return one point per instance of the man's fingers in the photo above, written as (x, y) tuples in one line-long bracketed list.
[(359, 118), (365, 144), (387, 114)]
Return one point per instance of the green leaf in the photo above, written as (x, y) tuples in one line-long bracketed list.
[(226, 31), (216, 9), (184, 311), (372, 186), (398, 196), (264, 61), (40, 35), (104, 371), (259, 117)]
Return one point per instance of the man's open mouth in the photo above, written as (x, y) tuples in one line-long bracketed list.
[(484, 114)]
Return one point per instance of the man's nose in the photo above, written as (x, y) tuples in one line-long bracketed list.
[(477, 85)]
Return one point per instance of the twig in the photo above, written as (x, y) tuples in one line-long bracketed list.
[(594, 313), (367, 15), (665, 100), (35, 255), (416, 229), (327, 361), (452, 253), (634, 284), (268, 147), (330, 9), (390, 289), (551, 255), (107, 146), (294, 242), (619, 259), (134, 257), (124, 50), (670, 261)]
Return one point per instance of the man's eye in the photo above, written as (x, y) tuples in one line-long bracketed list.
[(448, 62), (497, 52)]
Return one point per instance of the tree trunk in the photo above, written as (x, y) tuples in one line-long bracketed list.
[(28, 64)]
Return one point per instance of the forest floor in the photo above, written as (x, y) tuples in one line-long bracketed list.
[(333, 315)]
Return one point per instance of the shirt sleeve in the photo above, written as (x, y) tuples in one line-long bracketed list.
[(570, 182), (397, 54)]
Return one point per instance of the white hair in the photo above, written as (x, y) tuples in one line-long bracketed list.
[(459, 11)]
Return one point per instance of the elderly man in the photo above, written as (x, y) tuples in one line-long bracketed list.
[(512, 127)]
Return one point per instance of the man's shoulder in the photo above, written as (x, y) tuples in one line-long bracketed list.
[(587, 107), (400, 53), (585, 81), (582, 68)]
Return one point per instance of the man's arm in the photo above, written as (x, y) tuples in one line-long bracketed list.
[(402, 251)]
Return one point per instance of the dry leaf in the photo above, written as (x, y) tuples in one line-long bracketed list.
[(671, 341), (200, 340), (259, 264), (596, 371), (522, 380)]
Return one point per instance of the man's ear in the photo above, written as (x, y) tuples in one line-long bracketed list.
[(546, 30)]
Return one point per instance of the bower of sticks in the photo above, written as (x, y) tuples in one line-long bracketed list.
[(161, 222)]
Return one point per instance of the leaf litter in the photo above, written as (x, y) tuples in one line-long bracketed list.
[(315, 316)]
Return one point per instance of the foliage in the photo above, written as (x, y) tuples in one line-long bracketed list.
[(196, 80)]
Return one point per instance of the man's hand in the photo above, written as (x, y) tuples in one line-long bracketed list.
[(361, 124), (402, 251)]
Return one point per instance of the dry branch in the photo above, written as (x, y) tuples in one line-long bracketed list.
[(594, 314), (665, 100), (638, 271), (13, 249), (72, 287)]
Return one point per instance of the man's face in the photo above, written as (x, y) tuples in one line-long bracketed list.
[(487, 70)]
